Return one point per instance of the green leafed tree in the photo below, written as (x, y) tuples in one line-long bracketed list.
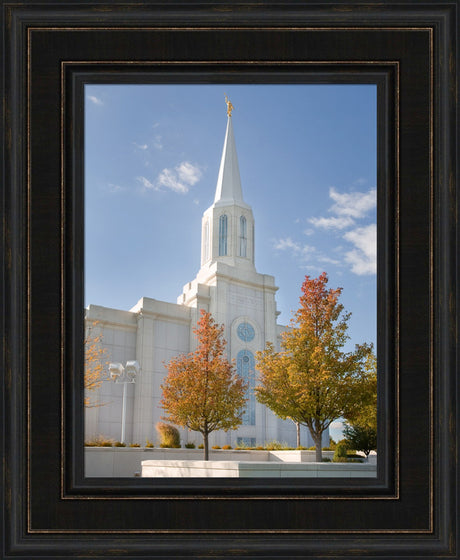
[(312, 380), (361, 438), (201, 390), (360, 428)]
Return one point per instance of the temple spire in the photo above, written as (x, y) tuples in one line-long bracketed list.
[(228, 189)]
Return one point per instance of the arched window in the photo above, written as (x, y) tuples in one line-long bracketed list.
[(245, 366), (243, 236), (206, 242), (223, 235)]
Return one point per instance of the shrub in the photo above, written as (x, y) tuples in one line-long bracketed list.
[(226, 447), (119, 444), (134, 445), (215, 447), (276, 445), (190, 445), (312, 448), (260, 448), (340, 453), (325, 460), (201, 446), (100, 441), (169, 435), (361, 438), (148, 443)]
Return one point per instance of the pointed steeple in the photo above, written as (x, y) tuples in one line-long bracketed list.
[(228, 224), (228, 189)]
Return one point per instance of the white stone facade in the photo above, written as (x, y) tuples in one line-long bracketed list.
[(152, 332)]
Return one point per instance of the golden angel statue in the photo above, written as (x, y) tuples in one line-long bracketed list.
[(229, 105)]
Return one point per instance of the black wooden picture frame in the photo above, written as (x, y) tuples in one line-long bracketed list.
[(410, 50)]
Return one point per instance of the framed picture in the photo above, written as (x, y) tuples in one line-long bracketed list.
[(151, 151), (55, 53)]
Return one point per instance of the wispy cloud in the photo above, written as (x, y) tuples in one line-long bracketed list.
[(158, 144), (347, 208), (363, 259), (328, 260), (146, 183), (178, 179), (95, 100), (169, 179), (296, 249), (142, 147), (353, 204), (334, 222), (188, 173), (111, 187)]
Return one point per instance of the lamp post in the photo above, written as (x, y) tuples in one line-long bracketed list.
[(125, 375)]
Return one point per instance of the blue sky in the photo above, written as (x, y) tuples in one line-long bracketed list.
[(307, 156)]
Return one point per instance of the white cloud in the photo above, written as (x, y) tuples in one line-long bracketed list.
[(95, 100), (354, 204), (141, 146), (333, 222), (146, 183), (178, 179), (188, 173), (328, 260), (287, 244), (363, 259), (336, 425), (168, 178), (347, 208), (115, 188)]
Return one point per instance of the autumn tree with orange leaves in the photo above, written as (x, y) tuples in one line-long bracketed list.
[(312, 381), (201, 390), (95, 364)]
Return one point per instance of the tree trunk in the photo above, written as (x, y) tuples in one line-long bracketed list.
[(206, 446), (317, 439), (297, 425)]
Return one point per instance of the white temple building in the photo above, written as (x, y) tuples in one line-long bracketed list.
[(152, 332)]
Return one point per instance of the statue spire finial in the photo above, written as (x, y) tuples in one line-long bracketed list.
[(229, 105)]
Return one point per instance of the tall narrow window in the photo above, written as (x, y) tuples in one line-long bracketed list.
[(243, 236), (223, 235), (206, 242), (245, 365)]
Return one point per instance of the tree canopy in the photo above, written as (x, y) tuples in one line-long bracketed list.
[(312, 381), (201, 390), (360, 428)]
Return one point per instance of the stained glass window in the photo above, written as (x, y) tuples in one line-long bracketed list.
[(243, 237), (245, 365), (245, 332), (223, 235)]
